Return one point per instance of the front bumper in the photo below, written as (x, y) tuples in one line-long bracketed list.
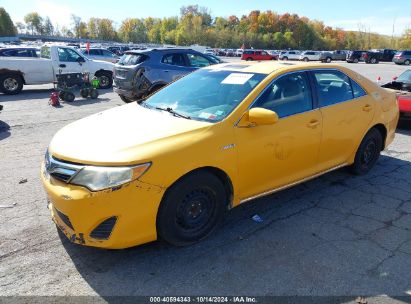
[(78, 212)]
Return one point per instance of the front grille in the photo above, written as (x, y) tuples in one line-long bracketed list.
[(64, 218), (103, 231), (60, 176), (61, 170)]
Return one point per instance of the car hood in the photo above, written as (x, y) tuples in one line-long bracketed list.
[(123, 135), (102, 64)]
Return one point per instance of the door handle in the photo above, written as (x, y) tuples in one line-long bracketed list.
[(367, 108), (62, 65), (166, 71), (313, 124)]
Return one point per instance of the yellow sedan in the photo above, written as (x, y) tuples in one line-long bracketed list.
[(170, 166)]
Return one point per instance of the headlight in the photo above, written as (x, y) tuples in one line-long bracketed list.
[(99, 178)]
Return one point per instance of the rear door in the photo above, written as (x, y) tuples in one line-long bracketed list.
[(347, 112), (174, 65)]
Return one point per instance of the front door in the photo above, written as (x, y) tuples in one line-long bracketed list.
[(68, 61), (272, 156)]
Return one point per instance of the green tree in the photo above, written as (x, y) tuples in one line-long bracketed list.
[(34, 23), (6, 24), (48, 28)]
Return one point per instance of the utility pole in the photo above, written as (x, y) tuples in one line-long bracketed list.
[(392, 34)]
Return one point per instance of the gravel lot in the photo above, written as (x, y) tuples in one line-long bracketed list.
[(336, 235)]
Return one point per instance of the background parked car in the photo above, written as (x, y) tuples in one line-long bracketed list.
[(402, 57), (249, 55), (209, 52), (239, 52), (329, 56), (273, 53), (141, 73), (19, 52), (100, 54), (118, 50), (230, 53), (289, 55), (310, 55), (375, 56), (355, 56)]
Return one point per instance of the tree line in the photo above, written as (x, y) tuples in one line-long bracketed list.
[(195, 25)]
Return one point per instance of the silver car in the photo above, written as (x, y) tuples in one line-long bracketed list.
[(100, 54)]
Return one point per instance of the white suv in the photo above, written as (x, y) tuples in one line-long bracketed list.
[(310, 55), (290, 55)]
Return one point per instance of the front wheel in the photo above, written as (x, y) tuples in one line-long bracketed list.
[(306, 59), (356, 60), (328, 60), (191, 209), (125, 99), (106, 80), (11, 84), (368, 153), (407, 62)]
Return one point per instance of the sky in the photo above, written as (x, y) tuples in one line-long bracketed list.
[(375, 15)]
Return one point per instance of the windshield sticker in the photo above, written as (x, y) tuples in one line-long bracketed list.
[(237, 78), (206, 115)]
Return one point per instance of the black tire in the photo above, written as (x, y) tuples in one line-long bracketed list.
[(355, 60), (407, 62), (84, 93), (106, 80), (11, 84), (69, 96), (249, 59), (62, 95), (306, 59), (125, 99), (328, 60), (373, 60), (368, 152), (191, 209), (93, 94), (285, 58)]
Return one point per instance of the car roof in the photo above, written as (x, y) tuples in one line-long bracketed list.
[(268, 67)]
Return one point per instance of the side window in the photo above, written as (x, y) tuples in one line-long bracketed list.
[(286, 96), (67, 55), (174, 59), (264, 53), (357, 90), (107, 53), (197, 61), (333, 87)]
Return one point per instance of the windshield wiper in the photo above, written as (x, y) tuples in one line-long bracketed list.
[(170, 110)]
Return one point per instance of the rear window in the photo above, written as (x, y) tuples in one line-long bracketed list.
[(132, 59), (248, 52)]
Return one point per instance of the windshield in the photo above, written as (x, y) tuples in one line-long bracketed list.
[(208, 95), (405, 77)]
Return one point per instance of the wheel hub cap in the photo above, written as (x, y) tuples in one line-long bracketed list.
[(10, 84)]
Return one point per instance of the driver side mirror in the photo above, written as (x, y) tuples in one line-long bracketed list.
[(258, 117), (80, 60)]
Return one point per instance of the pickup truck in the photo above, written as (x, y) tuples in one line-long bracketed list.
[(375, 56), (334, 55), (16, 72)]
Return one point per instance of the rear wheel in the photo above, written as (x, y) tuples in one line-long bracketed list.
[(191, 209), (368, 152), (69, 97), (93, 93), (306, 59), (11, 84), (285, 58), (373, 60), (328, 60), (84, 93), (355, 60), (249, 59)]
